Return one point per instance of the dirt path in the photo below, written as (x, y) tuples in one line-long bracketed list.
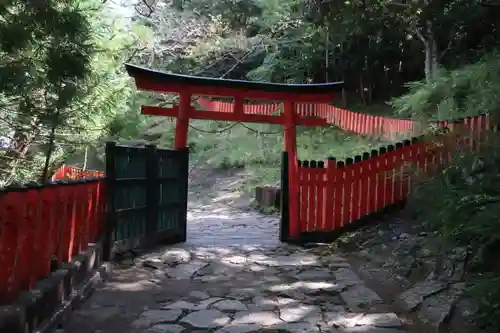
[(232, 276)]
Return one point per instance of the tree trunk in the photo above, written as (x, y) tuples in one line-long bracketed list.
[(50, 149), (362, 89), (431, 53)]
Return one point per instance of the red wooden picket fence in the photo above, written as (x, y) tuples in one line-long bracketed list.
[(43, 225), (355, 122), (334, 194), (265, 109), (71, 172)]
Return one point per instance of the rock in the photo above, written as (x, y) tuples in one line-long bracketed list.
[(206, 319), (302, 327), (175, 256), (239, 328), (411, 298), (347, 277), (199, 295), (360, 296), (342, 319), (270, 278), (385, 277), (185, 271), (244, 293), (183, 305), (101, 313), (207, 302), (380, 320), (219, 270), (165, 328), (336, 265), (236, 260), (230, 305), (453, 264), (368, 329), (435, 309), (333, 308), (332, 258), (295, 294), (151, 317), (257, 268), (317, 274), (264, 318), (262, 303), (153, 263), (467, 308), (301, 313), (308, 287)]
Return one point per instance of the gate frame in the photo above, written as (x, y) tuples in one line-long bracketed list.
[(289, 94), (151, 181)]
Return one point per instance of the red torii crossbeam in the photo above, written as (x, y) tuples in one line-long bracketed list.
[(289, 94)]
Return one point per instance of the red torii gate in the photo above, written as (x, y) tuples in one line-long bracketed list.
[(289, 94)]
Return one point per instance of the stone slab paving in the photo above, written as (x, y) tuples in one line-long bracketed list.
[(234, 289), (233, 276)]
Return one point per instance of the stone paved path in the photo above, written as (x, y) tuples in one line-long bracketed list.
[(233, 276)]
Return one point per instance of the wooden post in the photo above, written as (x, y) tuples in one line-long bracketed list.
[(284, 206), (182, 122), (238, 106), (111, 218), (152, 191), (331, 165), (291, 148)]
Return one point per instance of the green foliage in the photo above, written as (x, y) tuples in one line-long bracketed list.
[(257, 147), (468, 91), (461, 201), (61, 81)]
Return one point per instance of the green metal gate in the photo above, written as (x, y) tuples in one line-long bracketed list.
[(147, 191)]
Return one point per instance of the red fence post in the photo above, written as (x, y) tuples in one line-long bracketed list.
[(372, 181), (10, 215), (26, 238), (356, 186), (348, 199), (322, 184), (309, 169), (67, 224), (302, 185), (291, 148), (399, 170), (338, 212), (364, 180), (48, 235), (390, 175), (92, 212), (381, 167), (406, 177), (331, 165), (320, 187)]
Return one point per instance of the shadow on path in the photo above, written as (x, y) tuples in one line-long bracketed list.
[(233, 276)]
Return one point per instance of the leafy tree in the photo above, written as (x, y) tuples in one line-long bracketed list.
[(60, 79)]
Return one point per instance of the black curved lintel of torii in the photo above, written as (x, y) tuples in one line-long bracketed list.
[(151, 75)]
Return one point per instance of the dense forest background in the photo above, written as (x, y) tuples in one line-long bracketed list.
[(64, 90)]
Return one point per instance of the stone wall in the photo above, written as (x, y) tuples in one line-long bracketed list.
[(43, 308)]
